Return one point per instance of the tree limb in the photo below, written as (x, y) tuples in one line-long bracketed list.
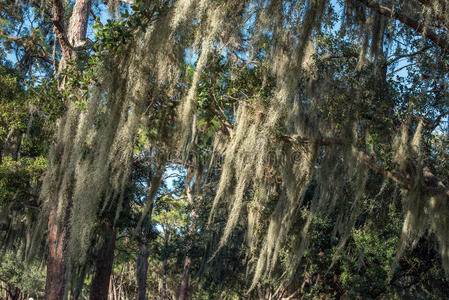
[(425, 31), (433, 184), (407, 55), (20, 42), (341, 55), (58, 22)]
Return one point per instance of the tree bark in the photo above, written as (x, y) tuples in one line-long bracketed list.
[(103, 266), (142, 269), (58, 232), (75, 38), (183, 289), (58, 236)]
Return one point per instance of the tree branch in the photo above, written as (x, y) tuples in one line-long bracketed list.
[(58, 22), (425, 31), (11, 38), (407, 55), (341, 55), (22, 42), (433, 184)]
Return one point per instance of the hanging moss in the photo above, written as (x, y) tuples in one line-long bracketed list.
[(91, 163)]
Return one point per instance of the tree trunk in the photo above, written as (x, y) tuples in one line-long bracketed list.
[(164, 279), (79, 283), (58, 234), (103, 266), (260, 292), (112, 295), (56, 281), (143, 227), (142, 269), (3, 290), (164, 267), (16, 144), (183, 289)]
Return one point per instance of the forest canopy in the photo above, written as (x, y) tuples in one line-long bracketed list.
[(199, 149)]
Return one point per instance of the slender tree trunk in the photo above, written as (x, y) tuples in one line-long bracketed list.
[(120, 287), (260, 292), (164, 279), (17, 143), (3, 290), (112, 295), (184, 287), (78, 288), (164, 267), (103, 266), (142, 269), (153, 183)]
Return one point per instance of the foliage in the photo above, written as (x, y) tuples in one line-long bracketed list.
[(28, 277)]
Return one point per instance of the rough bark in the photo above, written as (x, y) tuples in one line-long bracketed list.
[(58, 21), (142, 269), (78, 24), (103, 265), (73, 39), (58, 236)]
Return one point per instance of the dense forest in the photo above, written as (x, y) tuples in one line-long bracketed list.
[(224, 149)]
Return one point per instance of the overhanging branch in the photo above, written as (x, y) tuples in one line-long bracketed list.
[(425, 31), (433, 185)]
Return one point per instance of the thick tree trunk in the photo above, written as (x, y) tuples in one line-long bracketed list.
[(56, 281), (103, 266), (58, 234), (142, 269)]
